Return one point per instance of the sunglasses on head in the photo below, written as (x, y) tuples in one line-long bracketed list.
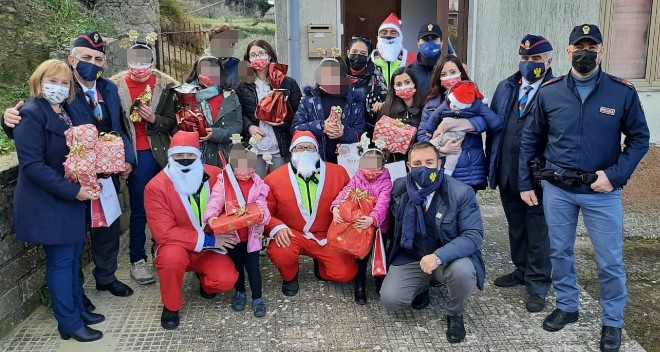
[(361, 37)]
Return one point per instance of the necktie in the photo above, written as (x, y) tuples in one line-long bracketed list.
[(523, 100), (96, 108)]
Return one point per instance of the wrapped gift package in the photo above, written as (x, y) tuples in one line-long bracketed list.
[(247, 216), (398, 136), (344, 236), (110, 154), (80, 164)]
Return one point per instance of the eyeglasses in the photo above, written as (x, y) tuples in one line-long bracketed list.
[(261, 55), (303, 148)]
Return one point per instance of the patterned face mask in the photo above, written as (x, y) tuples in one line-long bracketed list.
[(371, 174), (243, 175), (449, 81), (55, 93), (405, 92)]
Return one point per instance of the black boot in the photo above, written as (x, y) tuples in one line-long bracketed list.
[(455, 328), (361, 281), (90, 318), (84, 334), (290, 288), (610, 339), (169, 320), (89, 306)]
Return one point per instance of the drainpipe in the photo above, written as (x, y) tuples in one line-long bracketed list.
[(293, 18), (472, 38)]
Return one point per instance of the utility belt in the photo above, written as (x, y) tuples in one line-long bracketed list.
[(555, 174)]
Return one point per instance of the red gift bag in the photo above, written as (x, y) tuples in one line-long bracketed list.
[(344, 236), (398, 136), (188, 117), (275, 107), (378, 265)]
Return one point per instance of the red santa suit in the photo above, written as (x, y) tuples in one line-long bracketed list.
[(310, 230), (180, 238)]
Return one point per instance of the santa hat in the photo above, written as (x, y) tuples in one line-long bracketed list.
[(393, 22), (463, 94), (185, 142), (303, 137)]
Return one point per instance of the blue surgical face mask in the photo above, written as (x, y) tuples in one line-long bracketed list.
[(88, 71), (532, 71), (430, 49), (425, 176)]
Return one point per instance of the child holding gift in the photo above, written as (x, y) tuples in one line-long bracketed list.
[(374, 178), (240, 176)]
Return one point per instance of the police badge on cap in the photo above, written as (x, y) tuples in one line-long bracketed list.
[(589, 31)]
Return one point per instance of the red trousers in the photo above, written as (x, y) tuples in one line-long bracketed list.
[(333, 265), (216, 272)]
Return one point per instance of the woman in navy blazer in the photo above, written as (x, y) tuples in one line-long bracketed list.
[(48, 209)]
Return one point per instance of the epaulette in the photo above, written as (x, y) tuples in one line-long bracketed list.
[(551, 81), (622, 81)]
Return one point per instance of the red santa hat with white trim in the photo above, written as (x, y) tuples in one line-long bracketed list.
[(393, 22), (463, 94), (303, 137), (185, 142)]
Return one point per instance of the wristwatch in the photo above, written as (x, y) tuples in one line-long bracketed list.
[(437, 260)]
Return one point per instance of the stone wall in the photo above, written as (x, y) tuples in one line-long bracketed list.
[(140, 15), (22, 265)]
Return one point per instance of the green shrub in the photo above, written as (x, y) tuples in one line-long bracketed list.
[(69, 21)]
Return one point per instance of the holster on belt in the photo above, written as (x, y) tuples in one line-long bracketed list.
[(571, 178)]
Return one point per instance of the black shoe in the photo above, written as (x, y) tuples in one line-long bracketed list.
[(90, 318), (610, 339), (422, 300), (508, 280), (87, 304), (169, 320), (317, 271), (360, 293), (535, 302), (116, 288), (455, 328), (290, 288), (558, 319), (84, 334)]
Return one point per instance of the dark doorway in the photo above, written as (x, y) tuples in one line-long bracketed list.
[(364, 17)]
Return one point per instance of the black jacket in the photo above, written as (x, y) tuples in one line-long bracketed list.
[(247, 95)]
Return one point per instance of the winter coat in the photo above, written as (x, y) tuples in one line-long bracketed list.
[(164, 100), (45, 207), (380, 188), (471, 167), (229, 121), (258, 193), (372, 84), (458, 224), (310, 117), (247, 95), (423, 70)]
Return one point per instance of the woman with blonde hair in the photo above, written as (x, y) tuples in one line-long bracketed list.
[(49, 209)]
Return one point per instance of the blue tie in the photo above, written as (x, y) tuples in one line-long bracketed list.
[(523, 100), (96, 108)]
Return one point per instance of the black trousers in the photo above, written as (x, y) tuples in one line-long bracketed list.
[(244, 261), (528, 238), (104, 247)]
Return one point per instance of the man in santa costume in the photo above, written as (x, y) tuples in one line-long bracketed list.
[(300, 198), (175, 201), (389, 53)]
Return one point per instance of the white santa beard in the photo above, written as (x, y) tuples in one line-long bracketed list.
[(389, 49), (305, 163), (186, 183)]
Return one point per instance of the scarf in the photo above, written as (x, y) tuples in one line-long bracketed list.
[(413, 217), (202, 98)]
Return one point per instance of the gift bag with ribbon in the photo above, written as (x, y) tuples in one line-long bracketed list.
[(397, 134), (275, 106), (344, 236), (238, 214), (189, 117), (106, 209), (378, 265), (80, 163), (110, 154)]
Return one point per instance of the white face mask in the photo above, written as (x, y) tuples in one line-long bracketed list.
[(55, 93)]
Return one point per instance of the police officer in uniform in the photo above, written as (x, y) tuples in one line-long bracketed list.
[(528, 233), (577, 123)]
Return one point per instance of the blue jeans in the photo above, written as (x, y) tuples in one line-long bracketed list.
[(62, 267), (146, 169), (603, 218)]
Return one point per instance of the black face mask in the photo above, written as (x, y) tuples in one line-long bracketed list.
[(357, 61), (584, 61), (185, 162)]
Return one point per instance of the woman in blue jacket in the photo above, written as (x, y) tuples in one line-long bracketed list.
[(471, 168), (315, 111), (48, 209)]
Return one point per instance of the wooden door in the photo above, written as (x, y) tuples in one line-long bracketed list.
[(362, 18)]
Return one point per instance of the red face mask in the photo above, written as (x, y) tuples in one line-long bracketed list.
[(244, 175), (405, 93), (140, 73), (371, 174), (204, 81), (259, 64), (449, 81)]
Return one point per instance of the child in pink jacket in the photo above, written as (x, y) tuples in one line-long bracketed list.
[(245, 253), (374, 178)]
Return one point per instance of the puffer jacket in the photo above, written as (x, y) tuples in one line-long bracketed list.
[(247, 95), (380, 188), (309, 117), (164, 100), (471, 168), (229, 121), (258, 193)]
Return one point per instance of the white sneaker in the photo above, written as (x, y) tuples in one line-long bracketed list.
[(141, 274)]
